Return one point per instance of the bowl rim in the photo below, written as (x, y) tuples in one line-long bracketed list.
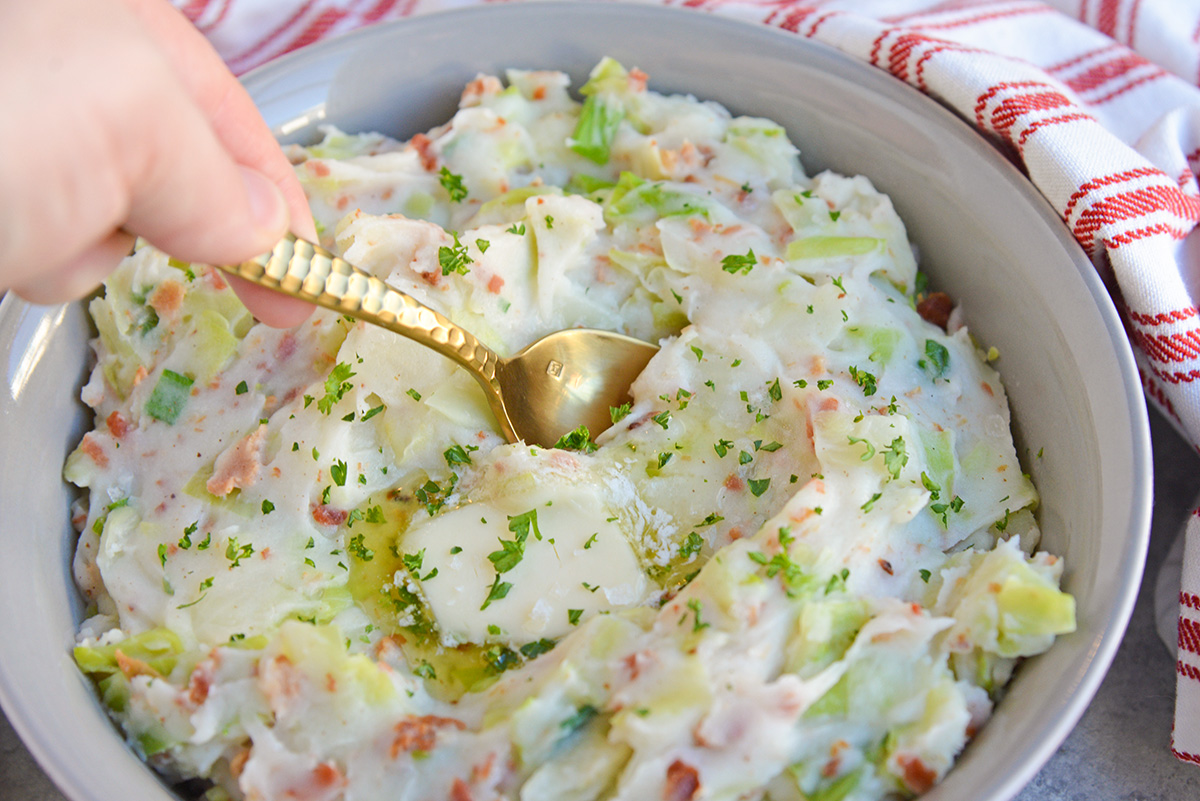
[(40, 741)]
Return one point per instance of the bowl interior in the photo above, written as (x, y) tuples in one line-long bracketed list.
[(984, 234)]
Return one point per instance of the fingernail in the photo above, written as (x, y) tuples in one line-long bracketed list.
[(268, 209)]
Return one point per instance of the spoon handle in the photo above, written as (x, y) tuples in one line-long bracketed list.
[(298, 268)]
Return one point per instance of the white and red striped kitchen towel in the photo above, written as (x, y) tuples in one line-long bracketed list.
[(1098, 99)]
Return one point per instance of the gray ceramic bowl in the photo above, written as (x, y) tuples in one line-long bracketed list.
[(985, 235)]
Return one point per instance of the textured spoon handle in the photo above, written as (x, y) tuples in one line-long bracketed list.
[(306, 271)]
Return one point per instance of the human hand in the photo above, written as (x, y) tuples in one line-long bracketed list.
[(122, 121)]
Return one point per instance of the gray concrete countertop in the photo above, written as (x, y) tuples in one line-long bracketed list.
[(1120, 751)]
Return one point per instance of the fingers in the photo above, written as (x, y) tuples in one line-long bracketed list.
[(271, 307), (131, 122), (225, 103), (79, 276)]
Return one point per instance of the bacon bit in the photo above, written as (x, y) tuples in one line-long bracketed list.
[(994, 586), (669, 159), (483, 771), (637, 80), (636, 661), (935, 308), (683, 782), (388, 647), (134, 667), (424, 147), (915, 608), (495, 284), (276, 472), (342, 202), (829, 404), (1002, 468), (831, 768), (317, 168), (328, 516), (475, 91), (199, 683), (118, 426), (539, 93), (886, 566), (917, 775), (987, 389), (238, 466), (167, 298), (735, 533), (459, 791), (265, 552), (798, 517), (280, 678), (238, 763), (139, 375), (326, 775), (732, 482), (432, 278), (92, 448), (698, 225), (214, 278), (415, 733), (330, 683)]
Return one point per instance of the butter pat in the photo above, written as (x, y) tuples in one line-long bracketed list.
[(582, 561)]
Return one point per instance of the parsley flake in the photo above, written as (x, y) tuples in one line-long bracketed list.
[(735, 264), (453, 184)]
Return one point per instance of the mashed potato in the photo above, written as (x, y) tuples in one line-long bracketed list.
[(800, 565)]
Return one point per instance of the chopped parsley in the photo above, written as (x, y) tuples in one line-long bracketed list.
[(722, 447), (619, 413), (937, 359), (691, 545), (697, 623), (532, 650), (236, 552), (453, 184), (358, 548), (267, 507), (699, 353), (336, 386), (483, 245), (578, 440), (573, 616), (369, 413), (866, 457), (774, 391), (454, 259), (895, 457), (663, 419), (457, 454), (735, 264), (866, 380), (412, 393), (516, 228), (337, 471), (499, 590), (758, 486), (241, 388)]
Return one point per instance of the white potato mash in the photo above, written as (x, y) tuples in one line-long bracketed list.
[(800, 565)]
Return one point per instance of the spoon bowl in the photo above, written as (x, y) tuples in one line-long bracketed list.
[(561, 383)]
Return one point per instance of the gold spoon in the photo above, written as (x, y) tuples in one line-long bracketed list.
[(563, 381)]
